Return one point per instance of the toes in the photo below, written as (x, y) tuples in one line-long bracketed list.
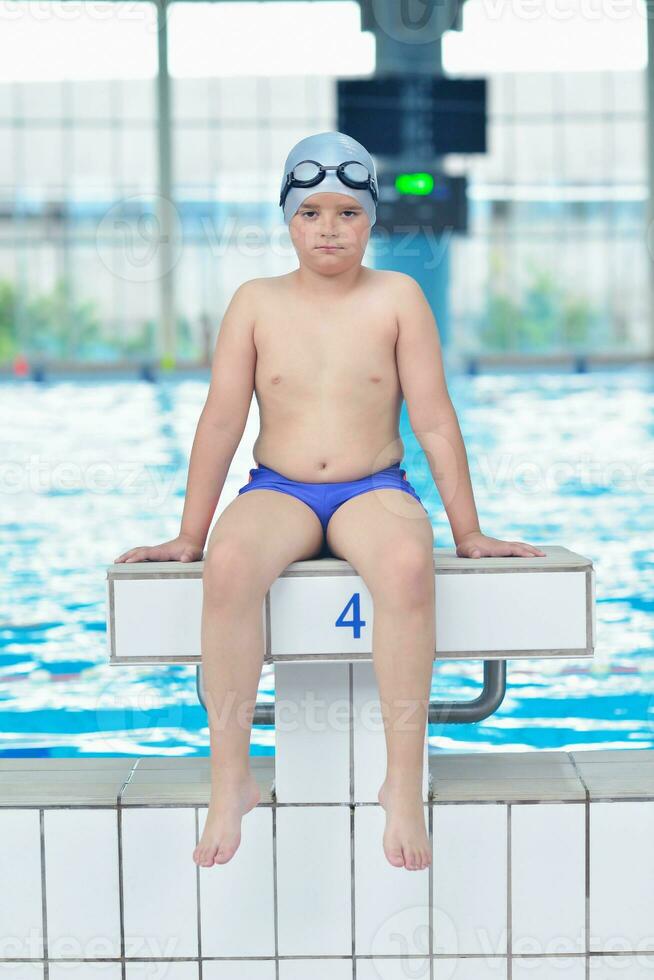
[(207, 858), (395, 856), (225, 853), (203, 855), (413, 859)]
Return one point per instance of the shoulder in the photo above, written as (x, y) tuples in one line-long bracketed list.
[(404, 295), (411, 307), (247, 297), (402, 280), (262, 287), (399, 284), (251, 288)]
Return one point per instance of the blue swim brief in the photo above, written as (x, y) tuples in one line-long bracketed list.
[(325, 498)]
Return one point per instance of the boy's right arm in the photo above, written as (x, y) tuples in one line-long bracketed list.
[(224, 415), (219, 431)]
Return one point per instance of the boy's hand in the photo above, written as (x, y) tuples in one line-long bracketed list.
[(478, 545), (180, 548)]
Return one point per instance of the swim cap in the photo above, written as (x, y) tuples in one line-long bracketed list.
[(329, 149)]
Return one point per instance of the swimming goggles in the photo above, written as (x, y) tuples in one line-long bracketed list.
[(308, 173)]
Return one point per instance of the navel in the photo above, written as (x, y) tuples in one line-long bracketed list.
[(276, 378)]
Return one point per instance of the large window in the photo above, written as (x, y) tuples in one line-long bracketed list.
[(74, 144), (80, 159), (556, 256), (556, 259)]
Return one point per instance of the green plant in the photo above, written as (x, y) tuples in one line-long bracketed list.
[(57, 325), (547, 316), (8, 346), (144, 342)]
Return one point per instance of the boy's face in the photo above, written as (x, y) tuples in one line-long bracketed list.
[(328, 218)]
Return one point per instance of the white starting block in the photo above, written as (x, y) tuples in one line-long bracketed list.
[(486, 608), (318, 625)]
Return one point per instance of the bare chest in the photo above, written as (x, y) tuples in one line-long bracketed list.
[(325, 351)]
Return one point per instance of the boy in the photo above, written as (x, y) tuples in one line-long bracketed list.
[(330, 350)]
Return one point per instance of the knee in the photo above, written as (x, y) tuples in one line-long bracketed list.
[(406, 576), (230, 571)]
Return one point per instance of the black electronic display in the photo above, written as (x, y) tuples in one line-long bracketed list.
[(449, 112)]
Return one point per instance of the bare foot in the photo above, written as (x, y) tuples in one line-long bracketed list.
[(231, 798), (406, 842)]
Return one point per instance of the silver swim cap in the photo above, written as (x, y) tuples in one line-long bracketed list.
[(329, 149)]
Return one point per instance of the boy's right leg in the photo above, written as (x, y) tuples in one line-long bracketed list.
[(254, 539)]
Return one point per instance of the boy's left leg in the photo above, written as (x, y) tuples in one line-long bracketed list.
[(386, 535)]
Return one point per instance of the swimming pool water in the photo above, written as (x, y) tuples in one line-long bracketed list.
[(91, 468)]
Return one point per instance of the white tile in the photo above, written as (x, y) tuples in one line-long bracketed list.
[(26, 971), (369, 741), (159, 882), (548, 904), (238, 970), (312, 733), (320, 614), (622, 967), (392, 904), (237, 898), (313, 881), (313, 612), (621, 875), (470, 879), (593, 607), (368, 734), (511, 611), (81, 879), (21, 932), (585, 757), (162, 971), (85, 971), (379, 969), (315, 969), (549, 968), (476, 968), (157, 617)]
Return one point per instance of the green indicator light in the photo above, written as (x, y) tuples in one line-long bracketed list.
[(414, 183)]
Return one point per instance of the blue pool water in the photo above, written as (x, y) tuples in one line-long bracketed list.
[(92, 468)]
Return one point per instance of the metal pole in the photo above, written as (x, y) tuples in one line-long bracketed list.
[(649, 230), (452, 712), (167, 334)]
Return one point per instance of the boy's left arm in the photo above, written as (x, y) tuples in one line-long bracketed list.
[(435, 423)]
